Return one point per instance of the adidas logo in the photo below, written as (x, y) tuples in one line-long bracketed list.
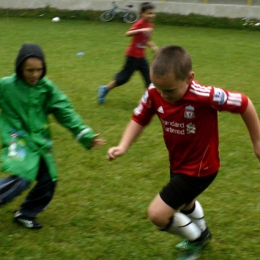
[(160, 110)]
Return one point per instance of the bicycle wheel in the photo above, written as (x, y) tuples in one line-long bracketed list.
[(131, 17), (107, 16)]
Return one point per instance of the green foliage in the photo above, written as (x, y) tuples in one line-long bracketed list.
[(200, 21), (49, 13), (99, 209), (193, 20)]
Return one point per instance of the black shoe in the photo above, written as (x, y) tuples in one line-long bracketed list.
[(27, 222)]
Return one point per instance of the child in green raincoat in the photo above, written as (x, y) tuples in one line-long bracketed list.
[(27, 98)]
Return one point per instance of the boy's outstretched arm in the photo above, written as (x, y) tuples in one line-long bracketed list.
[(132, 131), (153, 46), (130, 33), (251, 120)]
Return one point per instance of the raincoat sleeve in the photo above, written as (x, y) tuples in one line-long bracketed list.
[(62, 109), (1, 92)]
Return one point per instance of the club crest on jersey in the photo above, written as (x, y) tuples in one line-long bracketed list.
[(189, 112)]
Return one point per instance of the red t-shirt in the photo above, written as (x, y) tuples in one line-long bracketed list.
[(190, 126), (137, 47)]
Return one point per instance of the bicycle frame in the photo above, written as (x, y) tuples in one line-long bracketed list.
[(126, 13), (117, 9)]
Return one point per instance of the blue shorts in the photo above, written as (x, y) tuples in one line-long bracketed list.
[(183, 189)]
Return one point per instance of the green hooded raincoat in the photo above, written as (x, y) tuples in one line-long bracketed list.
[(25, 128)]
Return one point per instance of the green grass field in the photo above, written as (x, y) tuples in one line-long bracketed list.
[(99, 209)]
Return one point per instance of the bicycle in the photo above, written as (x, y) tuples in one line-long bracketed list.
[(126, 14)]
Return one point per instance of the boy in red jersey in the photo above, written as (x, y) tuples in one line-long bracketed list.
[(188, 114), (135, 54)]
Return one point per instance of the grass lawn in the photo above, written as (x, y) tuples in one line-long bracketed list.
[(99, 209)]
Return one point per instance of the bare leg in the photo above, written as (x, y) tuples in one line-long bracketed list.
[(167, 219), (159, 212), (111, 85)]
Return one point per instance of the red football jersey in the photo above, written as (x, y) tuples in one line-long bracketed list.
[(190, 125), (137, 46)]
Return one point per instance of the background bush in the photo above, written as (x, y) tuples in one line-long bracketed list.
[(161, 18)]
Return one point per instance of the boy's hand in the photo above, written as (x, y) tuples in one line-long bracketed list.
[(154, 48), (97, 142), (114, 152), (257, 151)]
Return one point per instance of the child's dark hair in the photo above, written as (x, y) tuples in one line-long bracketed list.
[(146, 6), (172, 60)]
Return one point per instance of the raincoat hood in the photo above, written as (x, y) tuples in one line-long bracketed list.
[(29, 50)]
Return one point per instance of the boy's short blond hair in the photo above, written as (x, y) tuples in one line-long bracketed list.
[(172, 59)]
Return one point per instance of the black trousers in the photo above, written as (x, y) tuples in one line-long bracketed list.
[(131, 65), (39, 196)]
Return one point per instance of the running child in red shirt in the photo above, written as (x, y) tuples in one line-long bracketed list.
[(188, 112), (135, 54)]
